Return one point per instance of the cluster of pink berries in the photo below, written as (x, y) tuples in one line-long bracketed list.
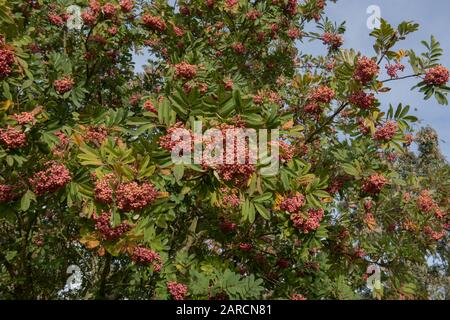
[(425, 202), (362, 100), (437, 76), (366, 70), (135, 98), (291, 7), (333, 40), (228, 84), (253, 14), (308, 223), (104, 188), (55, 177), (109, 10), (386, 132), (286, 151), (8, 193), (434, 234), (238, 172), (55, 19), (146, 256), (177, 290), (103, 225), (374, 184), (129, 196), (154, 23), (134, 196), (96, 135), (294, 33), (293, 204), (246, 247), (393, 69), (239, 48), (323, 94), (126, 5), (6, 59), (148, 106), (409, 139), (12, 137), (24, 118), (297, 296), (185, 70), (63, 143), (168, 142), (230, 197), (335, 186), (64, 85), (89, 17), (227, 226)]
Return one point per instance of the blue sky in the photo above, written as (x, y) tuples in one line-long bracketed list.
[(433, 18)]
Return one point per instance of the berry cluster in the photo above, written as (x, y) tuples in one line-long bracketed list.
[(24, 118), (154, 23), (64, 85), (334, 41), (386, 132), (309, 222), (294, 33), (434, 234), (96, 135), (148, 106), (55, 19), (365, 71), (129, 196), (185, 70), (227, 226), (230, 197), (253, 14), (169, 141), (238, 48), (374, 184), (109, 10), (286, 151), (247, 247), (393, 69), (177, 290), (104, 188), (132, 196), (362, 100), (8, 193), (297, 296), (126, 5), (63, 143), (12, 137), (323, 94), (103, 225), (425, 202), (55, 177), (6, 59), (146, 256), (293, 204), (437, 76)]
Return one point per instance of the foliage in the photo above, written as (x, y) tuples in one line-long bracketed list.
[(81, 135)]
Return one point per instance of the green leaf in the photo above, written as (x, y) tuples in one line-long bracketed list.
[(178, 172), (262, 211), (25, 201)]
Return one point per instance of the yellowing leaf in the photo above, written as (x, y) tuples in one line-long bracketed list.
[(5, 105), (91, 244)]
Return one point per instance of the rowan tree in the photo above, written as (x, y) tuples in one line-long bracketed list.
[(87, 176)]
